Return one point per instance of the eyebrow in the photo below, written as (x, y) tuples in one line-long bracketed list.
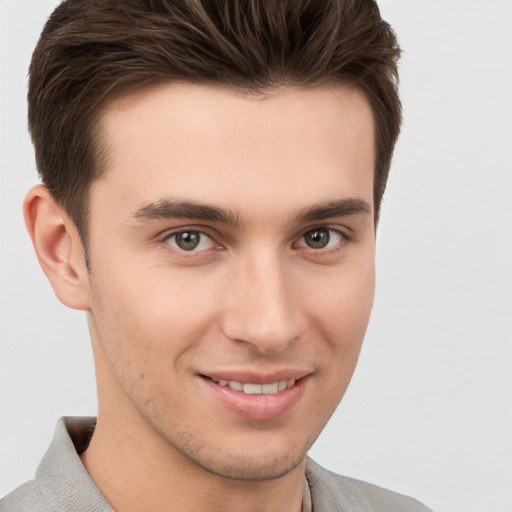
[(341, 208), (179, 209), (169, 209)]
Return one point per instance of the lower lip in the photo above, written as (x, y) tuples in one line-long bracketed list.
[(257, 407)]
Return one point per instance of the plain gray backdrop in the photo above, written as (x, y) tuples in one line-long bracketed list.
[(429, 411)]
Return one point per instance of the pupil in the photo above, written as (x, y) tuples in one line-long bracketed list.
[(318, 238), (188, 240)]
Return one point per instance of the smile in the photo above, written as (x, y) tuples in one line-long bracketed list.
[(260, 401), (257, 389)]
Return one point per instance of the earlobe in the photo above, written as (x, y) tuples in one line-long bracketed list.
[(58, 247)]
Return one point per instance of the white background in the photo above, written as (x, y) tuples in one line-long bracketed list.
[(429, 411)]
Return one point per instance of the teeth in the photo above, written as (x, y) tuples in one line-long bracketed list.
[(257, 389), (237, 386), (253, 389), (281, 385), (270, 388)]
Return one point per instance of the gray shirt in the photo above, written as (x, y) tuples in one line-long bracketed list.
[(63, 484)]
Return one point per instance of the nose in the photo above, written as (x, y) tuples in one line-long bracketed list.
[(262, 304)]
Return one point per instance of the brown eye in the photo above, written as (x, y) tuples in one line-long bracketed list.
[(320, 238), (190, 240), (317, 238)]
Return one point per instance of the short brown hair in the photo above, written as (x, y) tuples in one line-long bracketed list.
[(91, 51)]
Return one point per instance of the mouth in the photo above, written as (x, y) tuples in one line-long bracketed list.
[(256, 389), (268, 399)]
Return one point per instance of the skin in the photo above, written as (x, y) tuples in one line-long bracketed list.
[(253, 299)]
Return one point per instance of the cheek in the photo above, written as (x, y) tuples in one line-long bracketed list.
[(344, 303), (340, 316), (145, 332), (154, 315)]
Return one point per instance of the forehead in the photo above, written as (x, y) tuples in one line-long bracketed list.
[(212, 144)]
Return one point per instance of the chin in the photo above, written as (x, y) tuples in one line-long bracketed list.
[(250, 468), (254, 455)]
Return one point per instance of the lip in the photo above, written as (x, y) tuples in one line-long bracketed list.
[(256, 377), (256, 407)]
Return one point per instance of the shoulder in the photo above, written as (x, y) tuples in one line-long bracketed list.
[(62, 482), (53, 493), (30, 496), (333, 493)]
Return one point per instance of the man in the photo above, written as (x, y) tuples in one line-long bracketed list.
[(212, 175)]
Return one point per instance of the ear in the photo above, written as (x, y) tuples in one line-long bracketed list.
[(58, 247)]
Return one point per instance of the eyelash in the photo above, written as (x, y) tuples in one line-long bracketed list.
[(173, 235), (344, 238), (331, 231)]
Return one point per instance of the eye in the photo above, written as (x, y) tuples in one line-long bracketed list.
[(190, 241), (321, 238)]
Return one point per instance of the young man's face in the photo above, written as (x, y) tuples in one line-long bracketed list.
[(231, 239)]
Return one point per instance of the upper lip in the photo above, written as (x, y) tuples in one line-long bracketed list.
[(255, 377)]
